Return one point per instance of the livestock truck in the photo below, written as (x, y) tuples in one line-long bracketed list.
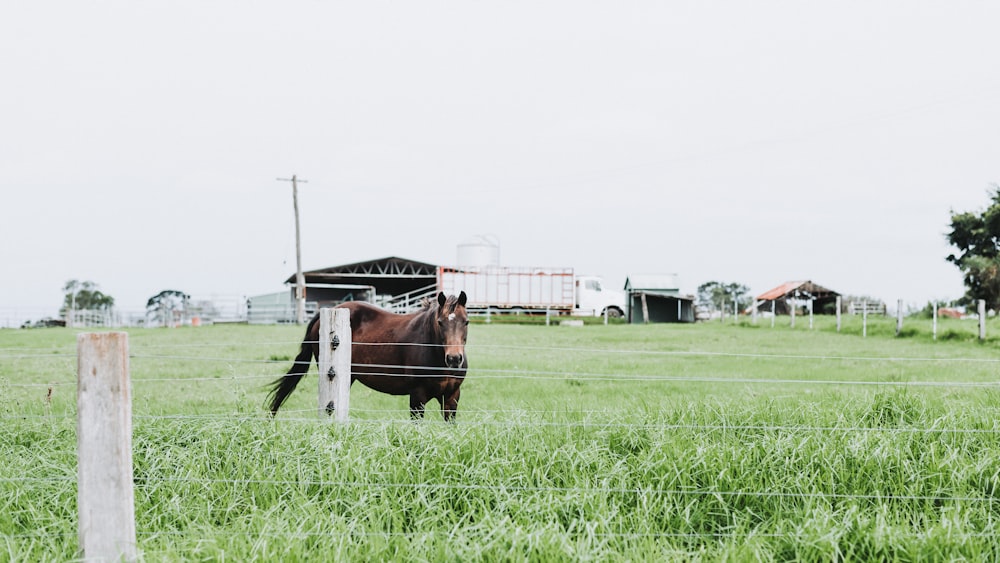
[(531, 290)]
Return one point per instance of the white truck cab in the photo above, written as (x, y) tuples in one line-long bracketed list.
[(592, 298)]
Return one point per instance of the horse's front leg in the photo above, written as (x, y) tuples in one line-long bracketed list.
[(449, 405), (418, 398)]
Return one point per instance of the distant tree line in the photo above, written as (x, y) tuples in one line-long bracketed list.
[(84, 296), (715, 295)]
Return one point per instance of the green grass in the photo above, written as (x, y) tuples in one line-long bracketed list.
[(601, 443)]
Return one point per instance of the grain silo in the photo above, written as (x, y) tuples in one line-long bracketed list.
[(480, 251)]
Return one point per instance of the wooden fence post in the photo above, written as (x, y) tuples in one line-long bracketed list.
[(334, 363), (105, 498), (838, 313)]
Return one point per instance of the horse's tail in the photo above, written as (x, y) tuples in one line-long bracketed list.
[(282, 387)]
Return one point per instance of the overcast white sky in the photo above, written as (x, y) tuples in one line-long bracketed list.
[(752, 142)]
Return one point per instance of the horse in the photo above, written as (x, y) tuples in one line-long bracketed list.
[(420, 354)]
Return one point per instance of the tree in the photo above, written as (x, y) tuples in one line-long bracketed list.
[(84, 296), (714, 295), (977, 237), (167, 305)]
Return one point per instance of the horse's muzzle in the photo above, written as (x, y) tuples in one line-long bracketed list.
[(454, 360)]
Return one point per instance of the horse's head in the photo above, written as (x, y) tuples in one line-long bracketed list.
[(453, 328)]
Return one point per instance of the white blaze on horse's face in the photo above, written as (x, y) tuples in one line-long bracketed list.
[(453, 326)]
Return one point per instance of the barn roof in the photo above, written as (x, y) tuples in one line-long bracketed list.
[(806, 288), (392, 275)]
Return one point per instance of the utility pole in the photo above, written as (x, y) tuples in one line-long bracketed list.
[(300, 280)]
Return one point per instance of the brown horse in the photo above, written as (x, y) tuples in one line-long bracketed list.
[(421, 354)]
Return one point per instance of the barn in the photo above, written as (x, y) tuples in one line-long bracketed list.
[(798, 294), (393, 282), (656, 298)]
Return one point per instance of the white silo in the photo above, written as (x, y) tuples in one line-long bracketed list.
[(480, 251)]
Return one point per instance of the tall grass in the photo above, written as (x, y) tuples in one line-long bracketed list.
[(705, 442)]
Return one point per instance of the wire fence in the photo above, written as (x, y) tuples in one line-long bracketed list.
[(514, 417), (68, 377), (65, 375)]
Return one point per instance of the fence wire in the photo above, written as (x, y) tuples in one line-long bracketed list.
[(514, 418)]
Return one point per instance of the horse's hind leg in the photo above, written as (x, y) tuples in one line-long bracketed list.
[(418, 398)]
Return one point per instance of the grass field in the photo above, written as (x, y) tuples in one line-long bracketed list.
[(598, 443)]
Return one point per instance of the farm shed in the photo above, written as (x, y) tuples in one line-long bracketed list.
[(798, 293), (656, 298), (386, 281)]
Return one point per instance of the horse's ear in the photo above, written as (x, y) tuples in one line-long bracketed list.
[(462, 299), (441, 299)]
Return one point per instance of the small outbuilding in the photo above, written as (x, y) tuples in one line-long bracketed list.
[(797, 294), (656, 298)]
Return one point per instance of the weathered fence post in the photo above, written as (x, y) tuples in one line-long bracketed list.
[(334, 363), (982, 318), (105, 498), (772, 313), (753, 314), (838, 313)]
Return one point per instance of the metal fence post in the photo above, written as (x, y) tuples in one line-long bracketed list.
[(982, 318), (899, 317), (934, 316), (864, 319)]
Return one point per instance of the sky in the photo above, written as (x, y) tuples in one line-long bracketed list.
[(748, 142)]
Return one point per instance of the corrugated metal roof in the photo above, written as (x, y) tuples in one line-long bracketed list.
[(392, 266), (789, 287), (780, 291), (391, 276)]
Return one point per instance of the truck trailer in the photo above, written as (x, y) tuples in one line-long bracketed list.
[(531, 290)]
